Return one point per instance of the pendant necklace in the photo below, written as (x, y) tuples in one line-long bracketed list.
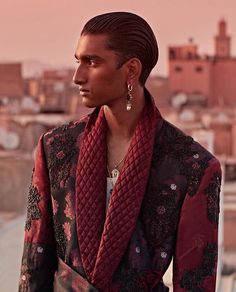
[(115, 172)]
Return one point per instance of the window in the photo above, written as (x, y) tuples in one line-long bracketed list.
[(199, 69), (172, 54), (189, 55), (178, 69)]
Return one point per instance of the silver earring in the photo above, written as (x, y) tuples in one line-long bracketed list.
[(129, 97)]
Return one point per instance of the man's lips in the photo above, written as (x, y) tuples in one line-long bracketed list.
[(83, 91)]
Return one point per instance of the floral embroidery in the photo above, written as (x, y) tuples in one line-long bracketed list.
[(66, 228), (195, 165), (54, 206), (64, 148), (61, 239), (62, 128), (161, 210), (39, 249), (160, 213), (174, 144), (75, 258), (61, 148), (62, 145), (163, 254), (129, 281), (33, 212), (213, 193), (191, 280), (49, 140), (194, 174), (69, 207), (60, 155), (196, 156)]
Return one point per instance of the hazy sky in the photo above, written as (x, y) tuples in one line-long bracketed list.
[(48, 30)]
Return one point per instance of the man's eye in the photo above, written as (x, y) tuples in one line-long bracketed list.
[(91, 62), (88, 61)]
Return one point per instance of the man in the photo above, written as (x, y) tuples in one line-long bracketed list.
[(115, 196)]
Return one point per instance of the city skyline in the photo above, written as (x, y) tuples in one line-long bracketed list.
[(48, 31)]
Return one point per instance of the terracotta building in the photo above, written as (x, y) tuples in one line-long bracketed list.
[(11, 80), (209, 79)]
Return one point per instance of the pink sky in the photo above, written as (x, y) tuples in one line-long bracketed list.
[(48, 30)]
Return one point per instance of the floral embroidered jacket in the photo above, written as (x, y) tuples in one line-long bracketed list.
[(178, 218)]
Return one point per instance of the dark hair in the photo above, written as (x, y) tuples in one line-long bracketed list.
[(129, 35)]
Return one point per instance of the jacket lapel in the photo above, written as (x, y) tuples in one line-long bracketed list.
[(103, 239), (91, 190), (126, 199)]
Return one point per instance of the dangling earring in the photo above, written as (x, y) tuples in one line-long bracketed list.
[(129, 97)]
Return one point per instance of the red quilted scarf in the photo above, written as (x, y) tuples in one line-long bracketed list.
[(103, 236)]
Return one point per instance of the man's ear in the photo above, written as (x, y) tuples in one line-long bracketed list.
[(133, 68)]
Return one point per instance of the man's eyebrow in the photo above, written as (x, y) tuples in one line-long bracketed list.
[(83, 57)]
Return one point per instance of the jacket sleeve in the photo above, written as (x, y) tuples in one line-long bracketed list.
[(195, 258), (39, 256)]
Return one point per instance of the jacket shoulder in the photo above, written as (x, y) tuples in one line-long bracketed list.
[(182, 155), (74, 128), (177, 142)]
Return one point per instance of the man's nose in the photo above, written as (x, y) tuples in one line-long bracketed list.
[(79, 76)]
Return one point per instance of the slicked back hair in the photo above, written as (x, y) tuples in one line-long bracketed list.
[(129, 35)]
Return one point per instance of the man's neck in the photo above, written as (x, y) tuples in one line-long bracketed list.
[(122, 123)]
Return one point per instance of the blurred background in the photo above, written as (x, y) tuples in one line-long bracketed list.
[(194, 85)]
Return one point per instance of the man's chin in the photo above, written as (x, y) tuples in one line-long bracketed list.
[(88, 103)]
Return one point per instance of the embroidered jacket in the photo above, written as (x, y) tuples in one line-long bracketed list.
[(178, 218)]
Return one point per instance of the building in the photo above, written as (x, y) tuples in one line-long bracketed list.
[(207, 80), (11, 80), (54, 90)]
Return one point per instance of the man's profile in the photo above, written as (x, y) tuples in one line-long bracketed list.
[(115, 196)]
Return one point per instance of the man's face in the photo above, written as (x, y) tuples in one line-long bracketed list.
[(99, 80)]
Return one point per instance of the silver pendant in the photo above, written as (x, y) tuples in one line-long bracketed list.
[(128, 105), (115, 173)]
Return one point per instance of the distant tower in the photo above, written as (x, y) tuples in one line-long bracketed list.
[(222, 41)]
